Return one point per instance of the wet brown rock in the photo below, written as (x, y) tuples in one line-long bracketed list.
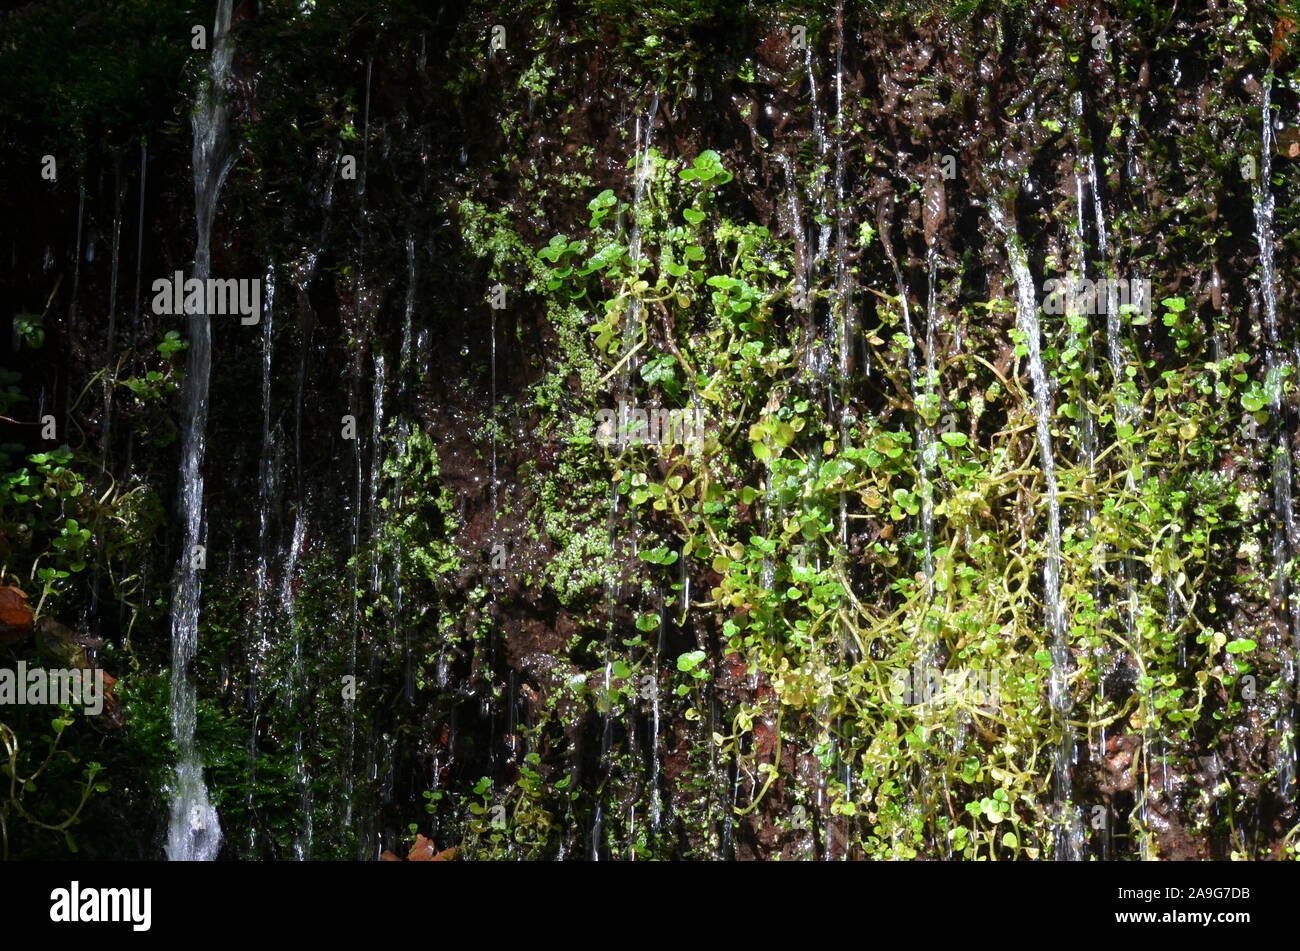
[(935, 209), (64, 645), (1117, 765)]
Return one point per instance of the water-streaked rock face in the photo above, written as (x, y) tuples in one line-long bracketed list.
[(950, 567)]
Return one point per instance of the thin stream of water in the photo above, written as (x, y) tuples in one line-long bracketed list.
[(194, 832), (1070, 830), (1285, 540)]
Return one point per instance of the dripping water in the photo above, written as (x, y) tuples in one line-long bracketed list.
[(288, 613), (194, 832), (1124, 409), (1285, 542), (139, 239), (920, 394), (842, 294), (367, 844), (803, 269), (403, 435), (260, 641), (1083, 168), (643, 136), (110, 377), (640, 180), (1070, 832), (820, 197)]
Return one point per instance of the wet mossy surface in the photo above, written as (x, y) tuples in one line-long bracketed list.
[(440, 598)]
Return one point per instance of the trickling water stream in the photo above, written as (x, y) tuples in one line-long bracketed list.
[(1280, 365), (260, 631), (1070, 833), (194, 832), (288, 615)]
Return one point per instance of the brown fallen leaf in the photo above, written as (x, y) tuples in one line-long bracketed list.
[(15, 614), (1288, 143), (422, 851), (111, 717), (1281, 39)]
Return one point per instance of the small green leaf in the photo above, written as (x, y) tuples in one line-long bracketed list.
[(690, 660)]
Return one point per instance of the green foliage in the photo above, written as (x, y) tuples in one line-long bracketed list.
[(118, 78), (732, 617), (58, 530), (698, 302), (47, 788), (419, 520)]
